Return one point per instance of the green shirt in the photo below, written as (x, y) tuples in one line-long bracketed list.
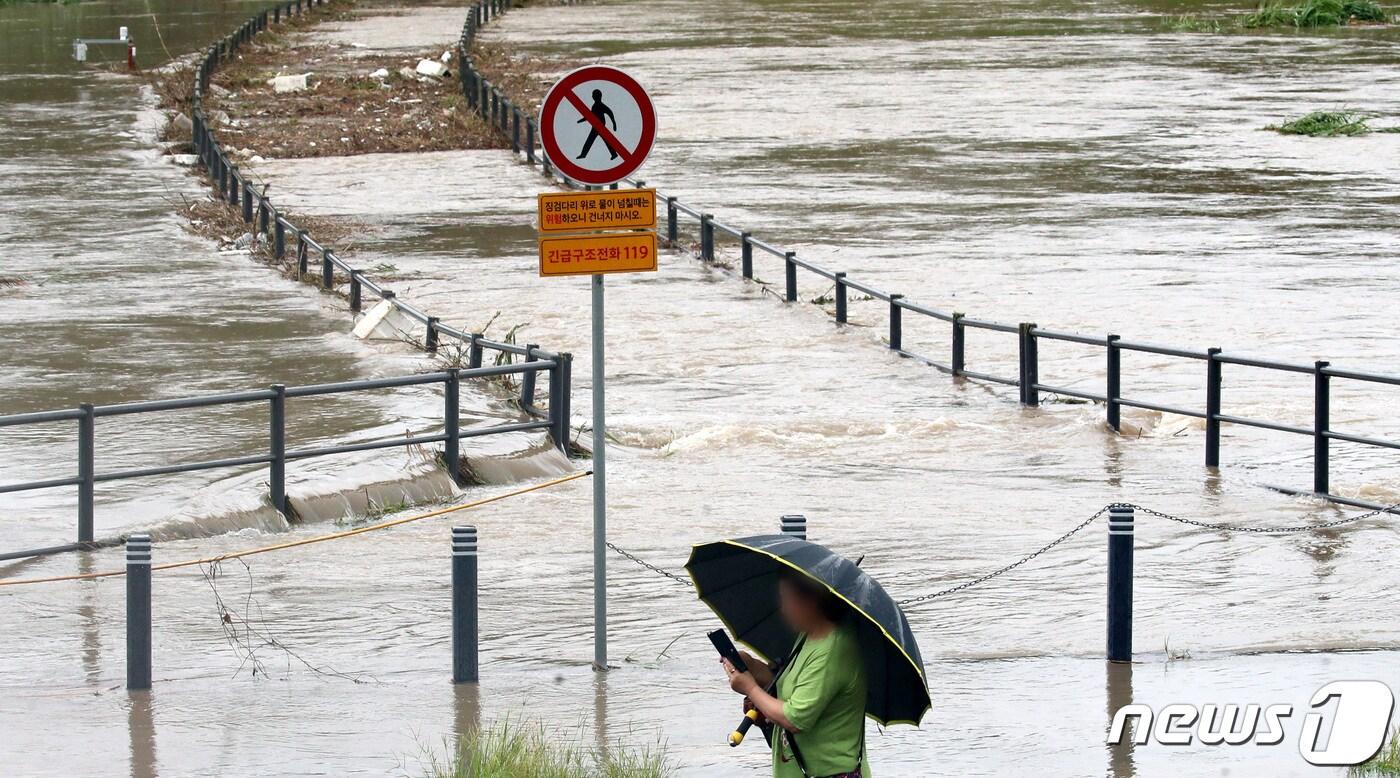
[(823, 695)]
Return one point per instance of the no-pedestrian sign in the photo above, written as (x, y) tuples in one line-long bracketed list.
[(597, 125)]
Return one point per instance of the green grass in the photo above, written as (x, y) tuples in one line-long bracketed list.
[(1314, 13), (1193, 23), (1324, 124), (518, 749), (1386, 763)]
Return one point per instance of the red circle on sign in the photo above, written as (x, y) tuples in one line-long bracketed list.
[(562, 93)]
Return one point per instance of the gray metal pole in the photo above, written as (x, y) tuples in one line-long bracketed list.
[(87, 445), (465, 658), (138, 612), (1120, 584), (600, 495), (794, 525)]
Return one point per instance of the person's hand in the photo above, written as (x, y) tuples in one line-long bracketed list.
[(743, 683)]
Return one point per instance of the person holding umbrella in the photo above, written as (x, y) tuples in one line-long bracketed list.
[(845, 648)]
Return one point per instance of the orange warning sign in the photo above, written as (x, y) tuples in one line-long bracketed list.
[(617, 252), (613, 209)]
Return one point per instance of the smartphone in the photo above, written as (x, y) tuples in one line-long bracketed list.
[(726, 649)]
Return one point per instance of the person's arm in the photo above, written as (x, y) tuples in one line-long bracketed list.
[(610, 116), (771, 707)]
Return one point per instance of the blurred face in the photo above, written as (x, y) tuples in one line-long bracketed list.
[(798, 609)]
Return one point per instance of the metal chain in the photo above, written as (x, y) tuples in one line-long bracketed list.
[(680, 579), (1256, 530), (1010, 567)]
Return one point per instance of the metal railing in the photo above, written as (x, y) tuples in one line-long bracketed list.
[(266, 220), (496, 108), (278, 455)]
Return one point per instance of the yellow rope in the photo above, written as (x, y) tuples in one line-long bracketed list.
[(305, 541)]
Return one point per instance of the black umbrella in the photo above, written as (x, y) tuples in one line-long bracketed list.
[(738, 579)]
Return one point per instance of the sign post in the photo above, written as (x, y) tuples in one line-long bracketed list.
[(597, 126)]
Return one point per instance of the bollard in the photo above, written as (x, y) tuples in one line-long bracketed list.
[(277, 436), (841, 297), (746, 257), (464, 606), (1212, 408), (791, 271), (1120, 584), (87, 433), (794, 525), (959, 362), (430, 339), (1322, 402), (896, 323), (451, 421), (671, 226), (138, 612), (1114, 390)]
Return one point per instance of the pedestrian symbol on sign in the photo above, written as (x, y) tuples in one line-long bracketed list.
[(597, 125), (601, 111)]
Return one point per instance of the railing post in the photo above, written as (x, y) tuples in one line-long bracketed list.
[(707, 237), (1120, 584), (515, 131), (959, 356), (356, 292), (277, 435), (87, 443), (279, 237), (452, 425), (430, 339), (234, 186), (474, 353), (530, 141), (566, 389), (793, 526), (1114, 391), (301, 255), (138, 612), (896, 323), (327, 270), (264, 223), (527, 380), (465, 631), (1212, 408), (790, 271), (671, 227), (746, 255), (1322, 422), (247, 202), (841, 297), (1029, 374)]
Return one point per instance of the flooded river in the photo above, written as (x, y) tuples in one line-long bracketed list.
[(1069, 164)]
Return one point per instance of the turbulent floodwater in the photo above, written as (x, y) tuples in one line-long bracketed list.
[(1068, 164)]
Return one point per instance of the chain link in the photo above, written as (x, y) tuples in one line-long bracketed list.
[(1008, 568), (680, 579), (1256, 530)]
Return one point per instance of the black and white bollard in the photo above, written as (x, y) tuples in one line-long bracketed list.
[(464, 606), (794, 526), (1120, 584), (138, 612)]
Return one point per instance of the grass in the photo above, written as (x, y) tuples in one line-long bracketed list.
[(1385, 763), (1314, 13), (518, 749), (1325, 124), (1193, 23)]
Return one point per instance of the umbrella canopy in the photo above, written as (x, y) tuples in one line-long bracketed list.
[(738, 579)]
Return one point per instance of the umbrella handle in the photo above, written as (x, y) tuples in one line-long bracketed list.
[(737, 736)]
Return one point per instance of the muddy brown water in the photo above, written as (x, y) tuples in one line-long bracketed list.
[(1068, 164)]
